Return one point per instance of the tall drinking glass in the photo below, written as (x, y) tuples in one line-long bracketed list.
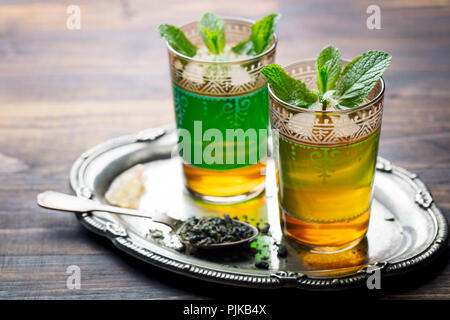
[(325, 162), (222, 115)]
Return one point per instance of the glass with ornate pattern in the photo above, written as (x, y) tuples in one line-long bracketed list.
[(222, 116), (325, 164)]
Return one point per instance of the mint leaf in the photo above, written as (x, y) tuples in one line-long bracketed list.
[(262, 32), (261, 37), (360, 76), (288, 89), (212, 30), (328, 65), (244, 47), (177, 40)]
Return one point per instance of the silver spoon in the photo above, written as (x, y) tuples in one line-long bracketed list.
[(64, 202)]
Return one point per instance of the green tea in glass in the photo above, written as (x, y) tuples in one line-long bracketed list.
[(221, 103)]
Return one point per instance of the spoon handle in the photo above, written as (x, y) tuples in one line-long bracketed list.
[(64, 202)]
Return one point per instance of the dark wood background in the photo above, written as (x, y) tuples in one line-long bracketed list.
[(63, 91)]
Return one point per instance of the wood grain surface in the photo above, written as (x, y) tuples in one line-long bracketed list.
[(63, 91)]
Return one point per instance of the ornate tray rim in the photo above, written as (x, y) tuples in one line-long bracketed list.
[(117, 234)]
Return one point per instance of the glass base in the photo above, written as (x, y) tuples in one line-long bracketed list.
[(225, 186), (325, 237), (324, 249), (229, 199)]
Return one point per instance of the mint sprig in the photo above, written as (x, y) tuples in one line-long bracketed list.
[(260, 38), (286, 88), (348, 89), (360, 76), (177, 40), (212, 31)]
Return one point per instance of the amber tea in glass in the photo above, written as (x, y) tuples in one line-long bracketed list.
[(325, 164)]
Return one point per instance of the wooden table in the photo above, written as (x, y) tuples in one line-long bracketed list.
[(63, 91)]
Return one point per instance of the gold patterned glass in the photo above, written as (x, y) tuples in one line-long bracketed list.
[(216, 97), (325, 164)]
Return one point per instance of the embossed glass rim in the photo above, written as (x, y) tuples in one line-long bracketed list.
[(377, 98), (241, 61)]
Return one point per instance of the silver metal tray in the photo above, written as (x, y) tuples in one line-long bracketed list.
[(406, 231)]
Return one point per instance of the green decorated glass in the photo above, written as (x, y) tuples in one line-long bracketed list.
[(325, 164), (222, 116)]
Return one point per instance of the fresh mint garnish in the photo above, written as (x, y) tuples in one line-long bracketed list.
[(287, 88), (328, 65), (335, 89), (212, 30), (260, 38), (360, 76), (177, 40)]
